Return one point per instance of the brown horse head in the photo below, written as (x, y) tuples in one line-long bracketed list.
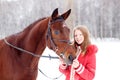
[(20, 52), (58, 35), (57, 32)]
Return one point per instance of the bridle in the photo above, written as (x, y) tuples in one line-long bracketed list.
[(52, 40), (49, 34)]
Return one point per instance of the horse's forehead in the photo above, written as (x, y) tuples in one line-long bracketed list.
[(66, 27), (62, 27)]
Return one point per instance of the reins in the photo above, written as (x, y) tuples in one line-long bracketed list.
[(50, 57), (50, 77), (20, 49)]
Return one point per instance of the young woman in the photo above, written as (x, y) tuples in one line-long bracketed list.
[(84, 65)]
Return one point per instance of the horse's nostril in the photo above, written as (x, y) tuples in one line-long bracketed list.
[(71, 58)]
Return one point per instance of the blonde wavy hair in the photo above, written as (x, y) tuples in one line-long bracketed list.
[(86, 35)]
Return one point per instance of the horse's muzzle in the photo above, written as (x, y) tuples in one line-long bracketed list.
[(68, 60)]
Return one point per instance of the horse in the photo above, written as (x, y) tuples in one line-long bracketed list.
[(20, 52)]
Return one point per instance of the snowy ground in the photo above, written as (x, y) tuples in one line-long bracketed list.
[(108, 58)]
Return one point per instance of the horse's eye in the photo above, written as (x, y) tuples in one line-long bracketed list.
[(57, 32)]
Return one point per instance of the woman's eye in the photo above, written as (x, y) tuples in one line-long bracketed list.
[(80, 34), (57, 32)]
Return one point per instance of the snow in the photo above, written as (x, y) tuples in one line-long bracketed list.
[(107, 62), (49, 67)]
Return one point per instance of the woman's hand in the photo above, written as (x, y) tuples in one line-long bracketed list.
[(63, 65), (75, 63)]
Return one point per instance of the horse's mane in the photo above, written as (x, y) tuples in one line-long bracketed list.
[(20, 36), (28, 28), (31, 25)]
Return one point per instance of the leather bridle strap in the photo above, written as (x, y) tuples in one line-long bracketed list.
[(49, 35)]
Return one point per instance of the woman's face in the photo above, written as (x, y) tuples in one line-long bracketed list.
[(79, 38)]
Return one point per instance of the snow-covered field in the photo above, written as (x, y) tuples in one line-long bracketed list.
[(108, 65)]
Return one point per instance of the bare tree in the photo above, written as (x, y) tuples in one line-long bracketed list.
[(71, 20), (101, 16)]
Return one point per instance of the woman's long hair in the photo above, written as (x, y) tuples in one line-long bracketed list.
[(86, 35)]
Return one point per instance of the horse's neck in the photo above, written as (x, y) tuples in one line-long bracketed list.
[(35, 40), (32, 40)]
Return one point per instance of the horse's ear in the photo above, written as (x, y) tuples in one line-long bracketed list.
[(66, 14), (55, 13)]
